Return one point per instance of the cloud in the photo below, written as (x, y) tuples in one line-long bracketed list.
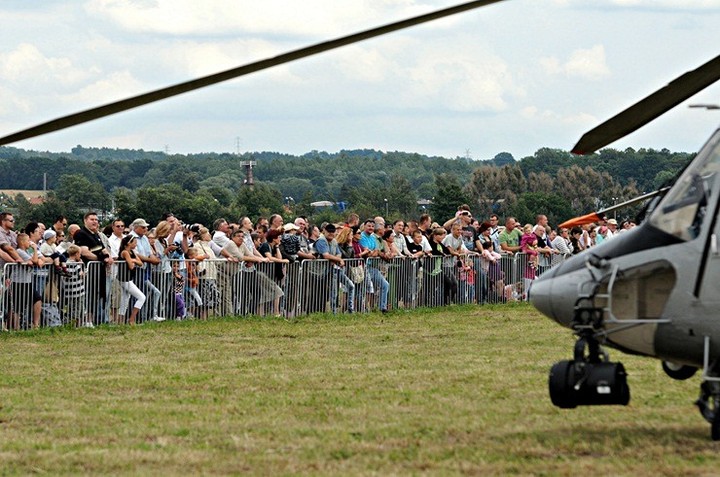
[(11, 103), (668, 4), (698, 6), (27, 66), (532, 113), (462, 81), (243, 17), (192, 58), (365, 64), (115, 86), (583, 63)]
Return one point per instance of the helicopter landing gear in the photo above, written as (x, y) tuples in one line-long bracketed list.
[(588, 379), (678, 372), (709, 405)]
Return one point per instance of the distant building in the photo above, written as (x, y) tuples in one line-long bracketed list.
[(35, 197)]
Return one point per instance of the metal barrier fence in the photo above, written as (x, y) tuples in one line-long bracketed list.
[(93, 294)]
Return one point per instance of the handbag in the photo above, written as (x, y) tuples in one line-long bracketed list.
[(357, 274)]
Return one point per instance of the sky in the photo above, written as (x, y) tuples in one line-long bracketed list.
[(511, 77)]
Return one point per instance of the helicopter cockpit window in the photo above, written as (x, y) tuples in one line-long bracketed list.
[(682, 210)]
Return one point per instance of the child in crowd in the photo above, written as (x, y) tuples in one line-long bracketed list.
[(49, 249), (127, 269), (178, 288), (415, 246), (529, 246), (193, 256), (515, 292), (73, 289), (467, 279), (491, 266), (26, 300)]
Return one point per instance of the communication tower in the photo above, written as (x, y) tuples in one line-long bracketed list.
[(248, 165)]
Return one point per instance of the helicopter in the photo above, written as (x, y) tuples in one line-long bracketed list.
[(650, 291)]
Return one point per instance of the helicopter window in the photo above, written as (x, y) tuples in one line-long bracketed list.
[(683, 209)]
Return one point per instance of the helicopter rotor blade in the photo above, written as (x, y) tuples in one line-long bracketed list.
[(180, 88), (597, 216), (649, 108), (633, 201)]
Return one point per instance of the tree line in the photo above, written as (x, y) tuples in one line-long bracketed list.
[(199, 187)]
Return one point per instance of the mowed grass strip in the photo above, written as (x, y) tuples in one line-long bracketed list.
[(461, 390)]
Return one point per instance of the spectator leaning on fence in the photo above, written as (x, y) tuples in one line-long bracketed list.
[(388, 239), (220, 237), (510, 237), (344, 240), (148, 256), (270, 249), (400, 240), (357, 250), (92, 249), (453, 241), (207, 274), (127, 269), (26, 297), (425, 221), (8, 240), (304, 252), (118, 232), (327, 247), (370, 249), (415, 245), (444, 265), (561, 243)]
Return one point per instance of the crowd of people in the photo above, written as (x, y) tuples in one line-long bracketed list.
[(172, 270)]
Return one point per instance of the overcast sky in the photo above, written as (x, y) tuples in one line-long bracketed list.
[(515, 76)]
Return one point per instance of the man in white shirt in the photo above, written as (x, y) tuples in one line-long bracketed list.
[(453, 241), (116, 237), (400, 241), (220, 236), (612, 229)]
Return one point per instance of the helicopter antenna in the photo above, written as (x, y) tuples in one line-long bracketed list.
[(706, 106), (180, 88)]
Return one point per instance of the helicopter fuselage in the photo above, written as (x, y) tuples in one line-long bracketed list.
[(652, 291)]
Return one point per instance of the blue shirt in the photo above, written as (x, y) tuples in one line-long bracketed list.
[(368, 241), (143, 245), (322, 246)]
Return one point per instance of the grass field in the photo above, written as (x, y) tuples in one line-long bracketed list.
[(456, 391)]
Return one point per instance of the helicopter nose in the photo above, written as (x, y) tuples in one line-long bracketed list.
[(555, 295), (539, 295)]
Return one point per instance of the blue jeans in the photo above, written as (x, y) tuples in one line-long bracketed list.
[(340, 278), (380, 284), (153, 296)]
